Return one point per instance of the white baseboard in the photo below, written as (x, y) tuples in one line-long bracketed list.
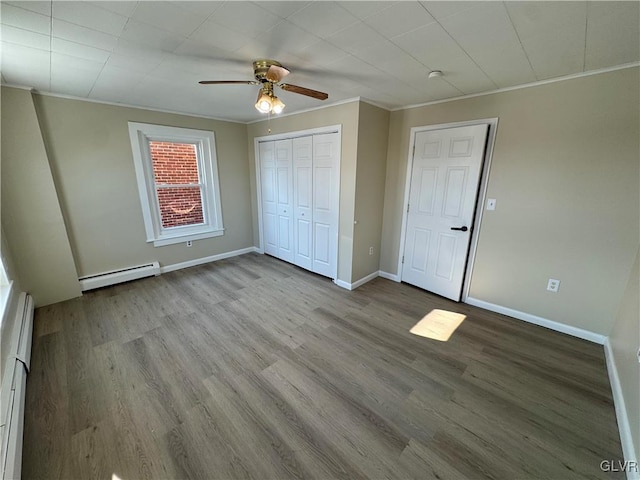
[(211, 258), (364, 280), (624, 427), (357, 283), (389, 276), (543, 322)]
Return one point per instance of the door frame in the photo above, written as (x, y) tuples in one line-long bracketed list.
[(284, 136), (482, 192)]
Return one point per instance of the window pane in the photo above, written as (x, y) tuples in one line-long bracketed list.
[(174, 163), (180, 206), (4, 280)]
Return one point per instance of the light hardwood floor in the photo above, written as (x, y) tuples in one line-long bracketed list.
[(253, 368)]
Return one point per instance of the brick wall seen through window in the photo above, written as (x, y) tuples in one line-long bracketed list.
[(178, 186)]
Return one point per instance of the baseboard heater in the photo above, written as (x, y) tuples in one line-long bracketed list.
[(113, 277), (14, 387)]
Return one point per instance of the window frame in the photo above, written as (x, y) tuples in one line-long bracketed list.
[(6, 289), (141, 134)]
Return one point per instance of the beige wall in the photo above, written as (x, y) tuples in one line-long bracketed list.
[(345, 115), (90, 154), (373, 130), (565, 176), (625, 341), (32, 221)]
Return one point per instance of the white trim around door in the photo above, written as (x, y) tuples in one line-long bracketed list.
[(484, 178)]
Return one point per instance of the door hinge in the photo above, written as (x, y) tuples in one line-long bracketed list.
[(414, 151), (408, 205), (402, 258)]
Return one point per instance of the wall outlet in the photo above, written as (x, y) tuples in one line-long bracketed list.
[(553, 285), (189, 243), (370, 250)]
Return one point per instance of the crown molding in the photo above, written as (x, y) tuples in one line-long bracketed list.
[(116, 104), (339, 102), (525, 85)]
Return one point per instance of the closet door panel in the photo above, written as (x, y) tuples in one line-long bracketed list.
[(302, 201), (284, 167), (326, 164), (269, 198)]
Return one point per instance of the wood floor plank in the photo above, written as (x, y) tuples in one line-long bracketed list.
[(86, 391), (559, 443), (351, 434), (423, 463), (139, 427), (54, 319), (253, 368), (50, 422), (94, 452), (283, 417), (547, 399), (204, 448), (269, 454)]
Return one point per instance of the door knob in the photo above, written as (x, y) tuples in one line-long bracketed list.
[(462, 229)]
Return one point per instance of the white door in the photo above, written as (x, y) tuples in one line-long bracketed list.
[(269, 197), (284, 196), (444, 184), (302, 201), (326, 178)]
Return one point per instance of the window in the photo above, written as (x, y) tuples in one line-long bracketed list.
[(177, 175), (4, 280), (5, 290)]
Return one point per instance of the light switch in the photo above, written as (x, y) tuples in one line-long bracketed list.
[(491, 204)]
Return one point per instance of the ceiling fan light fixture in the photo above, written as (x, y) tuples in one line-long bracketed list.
[(264, 102), (277, 106)]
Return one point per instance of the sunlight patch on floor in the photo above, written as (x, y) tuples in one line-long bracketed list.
[(438, 324)]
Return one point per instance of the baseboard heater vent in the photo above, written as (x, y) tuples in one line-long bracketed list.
[(13, 390), (118, 276)]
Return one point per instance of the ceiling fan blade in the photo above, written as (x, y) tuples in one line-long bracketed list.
[(304, 91), (276, 73), (228, 82)]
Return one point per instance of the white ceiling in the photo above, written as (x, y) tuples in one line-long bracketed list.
[(152, 54)]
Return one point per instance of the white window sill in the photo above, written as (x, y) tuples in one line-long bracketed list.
[(172, 240)]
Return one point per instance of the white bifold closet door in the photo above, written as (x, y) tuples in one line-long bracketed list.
[(307, 233), (277, 198), (303, 201), (326, 185)]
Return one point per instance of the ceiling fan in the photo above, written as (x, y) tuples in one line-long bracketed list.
[(268, 74)]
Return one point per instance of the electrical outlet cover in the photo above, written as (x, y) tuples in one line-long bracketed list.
[(553, 285)]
